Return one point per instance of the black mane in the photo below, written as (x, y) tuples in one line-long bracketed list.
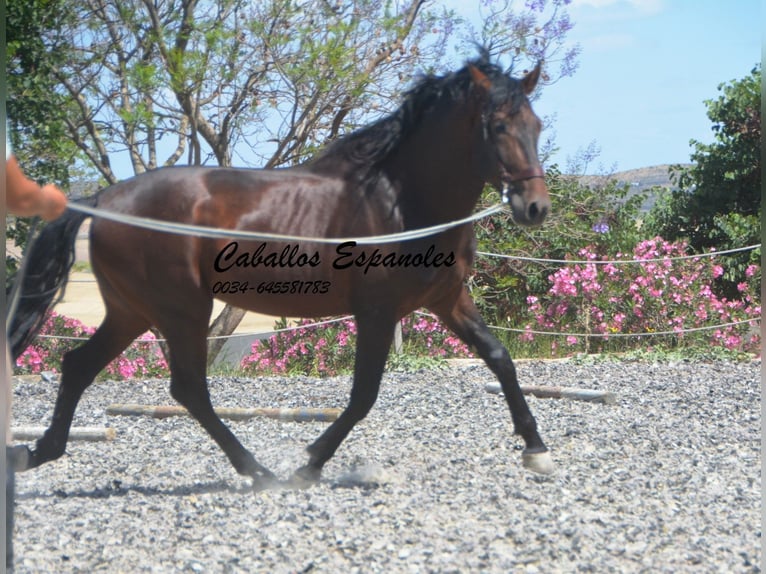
[(365, 148)]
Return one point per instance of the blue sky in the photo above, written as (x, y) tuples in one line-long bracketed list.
[(645, 68)]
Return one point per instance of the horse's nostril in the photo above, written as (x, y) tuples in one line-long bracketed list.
[(533, 211), (536, 212)]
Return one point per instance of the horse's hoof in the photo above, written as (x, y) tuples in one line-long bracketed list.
[(539, 462), (19, 458), (305, 477)]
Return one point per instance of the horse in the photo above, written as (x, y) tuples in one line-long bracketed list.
[(426, 163)]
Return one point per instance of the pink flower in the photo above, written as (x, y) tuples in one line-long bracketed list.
[(527, 335), (732, 341), (717, 271)]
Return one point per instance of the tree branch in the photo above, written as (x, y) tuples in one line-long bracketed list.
[(182, 136), (381, 56), (100, 157)]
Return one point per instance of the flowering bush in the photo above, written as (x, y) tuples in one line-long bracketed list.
[(601, 299), (58, 336), (647, 297), (330, 349), (324, 351), (61, 334), (425, 335), (143, 359), (603, 218)]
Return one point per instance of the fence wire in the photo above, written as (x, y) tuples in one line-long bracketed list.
[(185, 229)]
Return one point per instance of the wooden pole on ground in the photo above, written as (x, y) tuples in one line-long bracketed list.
[(90, 434), (303, 414), (587, 395)]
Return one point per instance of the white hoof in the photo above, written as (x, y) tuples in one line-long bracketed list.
[(18, 458), (539, 462)]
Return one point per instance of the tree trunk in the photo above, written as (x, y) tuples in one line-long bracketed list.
[(222, 326)]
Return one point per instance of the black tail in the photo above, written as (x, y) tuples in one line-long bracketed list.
[(46, 271)]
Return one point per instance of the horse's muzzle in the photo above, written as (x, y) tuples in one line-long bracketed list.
[(529, 199)]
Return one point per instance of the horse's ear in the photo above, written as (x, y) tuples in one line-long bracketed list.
[(480, 78), (529, 81)]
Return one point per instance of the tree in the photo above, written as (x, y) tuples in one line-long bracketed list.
[(264, 84), (40, 142), (718, 201)]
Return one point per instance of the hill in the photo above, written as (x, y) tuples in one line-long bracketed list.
[(641, 179)]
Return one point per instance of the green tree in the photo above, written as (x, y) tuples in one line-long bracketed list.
[(36, 110), (39, 141), (718, 200)]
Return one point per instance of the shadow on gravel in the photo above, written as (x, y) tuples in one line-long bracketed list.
[(116, 488)]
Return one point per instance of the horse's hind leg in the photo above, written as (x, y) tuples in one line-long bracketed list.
[(78, 369), (374, 338), (464, 319), (188, 385)]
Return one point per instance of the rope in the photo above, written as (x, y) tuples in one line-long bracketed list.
[(607, 335), (620, 261), (272, 331), (579, 261), (216, 233), (645, 334), (509, 329)]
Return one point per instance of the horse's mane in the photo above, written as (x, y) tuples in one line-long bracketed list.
[(364, 149)]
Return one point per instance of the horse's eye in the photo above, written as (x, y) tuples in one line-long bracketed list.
[(500, 128)]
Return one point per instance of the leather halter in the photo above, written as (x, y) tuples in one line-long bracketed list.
[(529, 173), (522, 175)]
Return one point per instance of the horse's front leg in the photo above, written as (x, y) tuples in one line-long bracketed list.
[(375, 333), (464, 319)]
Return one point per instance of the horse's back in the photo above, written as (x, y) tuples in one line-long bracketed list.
[(151, 268), (294, 277)]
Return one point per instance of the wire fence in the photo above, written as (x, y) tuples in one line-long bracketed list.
[(586, 261), (620, 261), (171, 227)]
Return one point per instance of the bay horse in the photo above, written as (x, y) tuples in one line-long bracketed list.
[(424, 164)]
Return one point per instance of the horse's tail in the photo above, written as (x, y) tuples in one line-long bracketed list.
[(44, 274)]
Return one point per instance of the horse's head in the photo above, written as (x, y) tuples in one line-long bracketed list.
[(510, 133)]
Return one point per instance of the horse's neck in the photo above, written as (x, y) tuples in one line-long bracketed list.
[(437, 169)]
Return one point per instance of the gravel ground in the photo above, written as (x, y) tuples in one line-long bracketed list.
[(665, 480)]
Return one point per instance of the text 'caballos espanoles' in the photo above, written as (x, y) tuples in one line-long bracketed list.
[(348, 256)]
